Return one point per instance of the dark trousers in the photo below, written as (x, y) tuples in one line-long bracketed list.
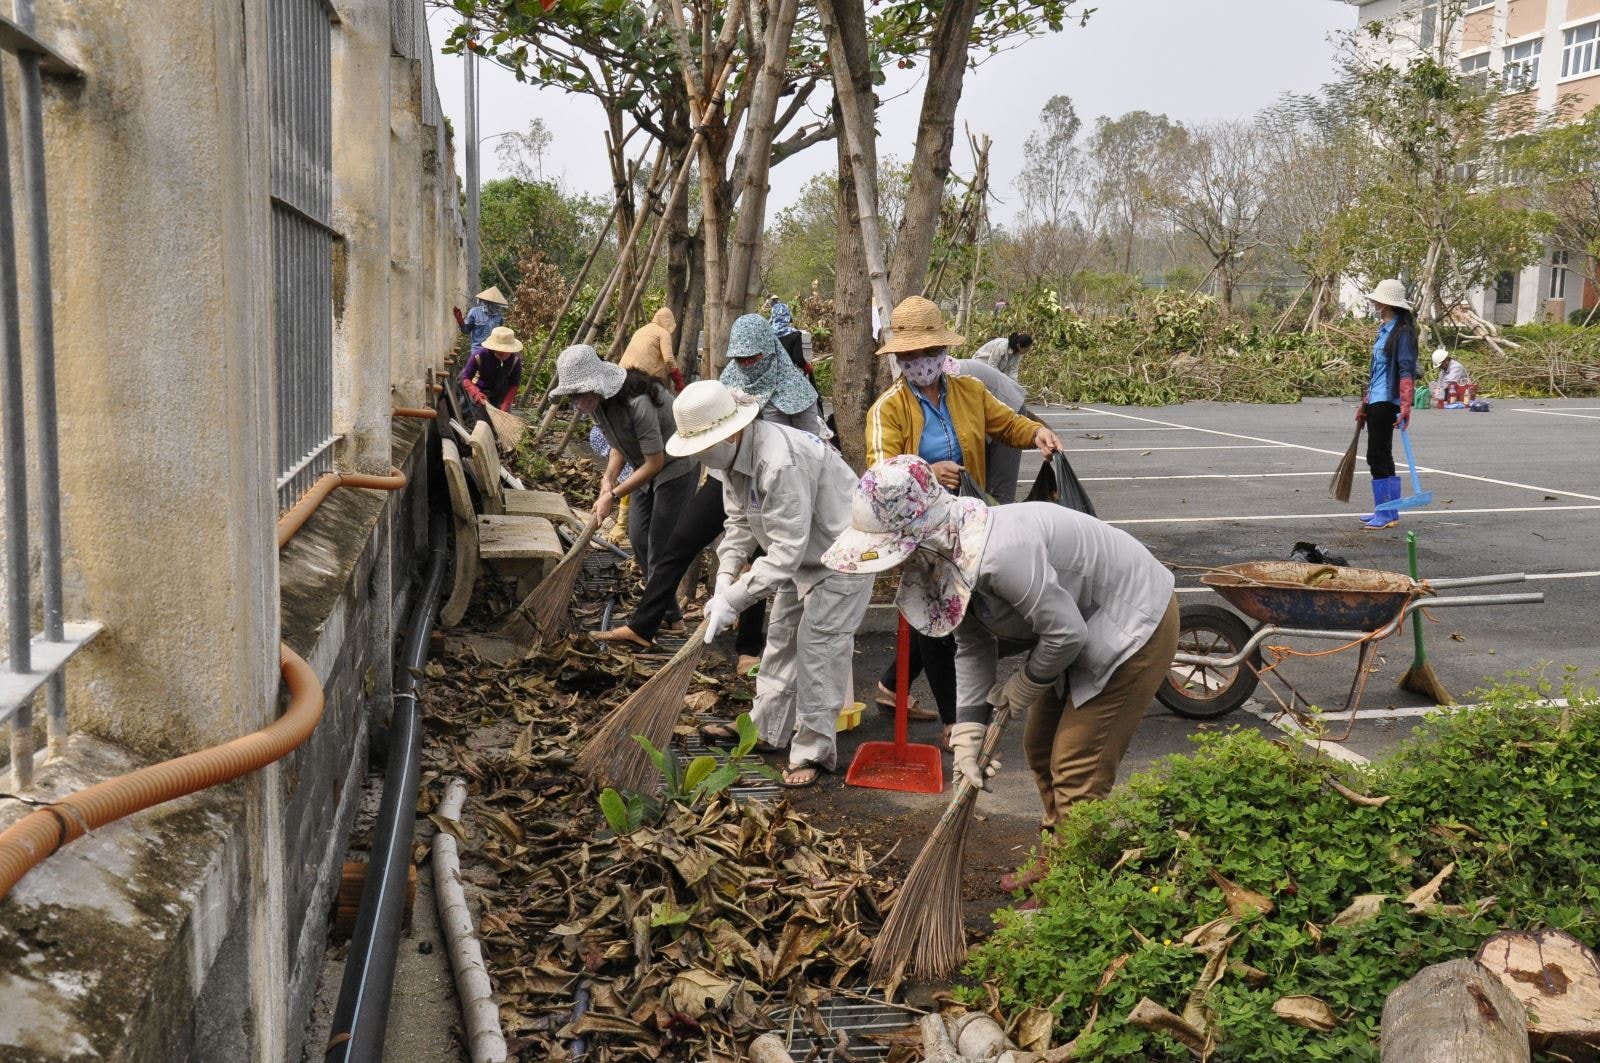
[(937, 657), (696, 526), (1380, 438)]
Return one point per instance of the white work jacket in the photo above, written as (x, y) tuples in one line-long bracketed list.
[(1086, 597), (788, 493)]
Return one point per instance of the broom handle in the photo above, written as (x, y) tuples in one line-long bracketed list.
[(966, 793), (1416, 628), (902, 684)]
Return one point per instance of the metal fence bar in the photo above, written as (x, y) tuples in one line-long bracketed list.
[(46, 439), (15, 439)]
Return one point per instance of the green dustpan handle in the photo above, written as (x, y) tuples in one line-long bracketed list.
[(1416, 621)]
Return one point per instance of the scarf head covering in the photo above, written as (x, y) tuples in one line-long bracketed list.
[(782, 320), (775, 379)]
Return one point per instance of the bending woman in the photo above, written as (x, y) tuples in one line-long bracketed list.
[(758, 367), (634, 412), (1391, 386)]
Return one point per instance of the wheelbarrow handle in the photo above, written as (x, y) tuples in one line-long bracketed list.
[(1478, 581), (1524, 598)]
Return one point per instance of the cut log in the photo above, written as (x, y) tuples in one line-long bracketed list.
[(1454, 1012), (1554, 975)]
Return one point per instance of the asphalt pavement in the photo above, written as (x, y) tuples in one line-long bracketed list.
[(1516, 489)]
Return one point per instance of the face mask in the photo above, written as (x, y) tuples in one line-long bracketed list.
[(588, 402), (924, 371), (719, 456)]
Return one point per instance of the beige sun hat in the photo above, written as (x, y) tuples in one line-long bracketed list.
[(1390, 293), (502, 339), (707, 412), (917, 325), (492, 294)]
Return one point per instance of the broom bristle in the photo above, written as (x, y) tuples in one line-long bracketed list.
[(612, 757), (1421, 679), (542, 612), (508, 427), (1344, 475), (925, 934)]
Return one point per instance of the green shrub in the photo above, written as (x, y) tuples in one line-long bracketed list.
[(1509, 793), (1583, 316)]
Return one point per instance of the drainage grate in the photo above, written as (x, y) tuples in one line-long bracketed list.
[(856, 1017), (751, 785)]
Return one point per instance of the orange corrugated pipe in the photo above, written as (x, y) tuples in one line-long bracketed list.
[(35, 836), (38, 834), (298, 513), (416, 411)]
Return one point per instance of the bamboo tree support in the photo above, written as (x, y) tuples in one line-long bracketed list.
[(566, 304), (587, 327)]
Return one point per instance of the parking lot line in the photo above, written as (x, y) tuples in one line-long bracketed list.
[(1568, 413), (1146, 450), (1340, 453), (1345, 514), (1197, 476), (1289, 725)]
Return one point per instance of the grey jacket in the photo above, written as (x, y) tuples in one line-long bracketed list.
[(1086, 596), (998, 353), (637, 426), (788, 493)]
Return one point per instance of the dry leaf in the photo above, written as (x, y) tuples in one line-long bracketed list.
[(1148, 1015), (695, 992), (1128, 856), (1309, 1012), (1359, 799), (1423, 895), (1206, 933), (1034, 1028), (700, 702), (1253, 976), (1241, 902), (1314, 930), (1361, 910), (1456, 636)]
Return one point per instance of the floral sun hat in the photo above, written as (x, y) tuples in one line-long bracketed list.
[(775, 379), (900, 514)]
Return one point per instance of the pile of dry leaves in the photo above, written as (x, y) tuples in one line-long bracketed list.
[(683, 937)]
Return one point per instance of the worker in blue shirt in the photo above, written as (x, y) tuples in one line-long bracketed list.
[(488, 315), (1391, 387)]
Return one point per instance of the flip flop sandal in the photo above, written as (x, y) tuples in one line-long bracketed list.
[(724, 735), (816, 774), (914, 709)]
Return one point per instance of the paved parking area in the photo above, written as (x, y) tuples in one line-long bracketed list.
[(1205, 484)]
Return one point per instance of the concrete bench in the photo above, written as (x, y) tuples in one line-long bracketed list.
[(519, 546)]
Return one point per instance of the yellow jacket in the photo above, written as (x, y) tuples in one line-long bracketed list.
[(894, 424), (650, 347)]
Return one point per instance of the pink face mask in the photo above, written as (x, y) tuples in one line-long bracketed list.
[(924, 371)]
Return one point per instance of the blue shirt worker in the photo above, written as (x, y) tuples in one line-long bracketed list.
[(488, 315)]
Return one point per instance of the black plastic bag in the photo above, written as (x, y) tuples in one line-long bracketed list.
[(1058, 483), (1312, 553), (970, 489)]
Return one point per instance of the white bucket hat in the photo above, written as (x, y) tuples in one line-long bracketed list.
[(1439, 357), (502, 339), (1390, 293), (580, 369), (707, 412), (492, 294)]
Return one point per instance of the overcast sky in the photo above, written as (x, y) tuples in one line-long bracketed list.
[(1194, 60)]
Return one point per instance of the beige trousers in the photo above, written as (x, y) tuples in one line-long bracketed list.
[(1074, 751)]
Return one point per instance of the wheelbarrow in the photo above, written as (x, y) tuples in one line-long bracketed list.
[(1218, 664)]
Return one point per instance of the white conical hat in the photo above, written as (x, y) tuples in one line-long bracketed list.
[(492, 294)]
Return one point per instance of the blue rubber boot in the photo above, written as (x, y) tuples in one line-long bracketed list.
[(1384, 491)]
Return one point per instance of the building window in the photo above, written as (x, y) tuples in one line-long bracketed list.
[(1505, 288), (301, 148), (1578, 51), (1559, 261), (1430, 24), (1471, 64), (1474, 5), (1522, 65)]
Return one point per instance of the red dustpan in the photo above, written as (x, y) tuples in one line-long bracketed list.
[(899, 765)]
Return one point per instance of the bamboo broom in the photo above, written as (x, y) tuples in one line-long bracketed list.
[(542, 612), (925, 935), (508, 427), (612, 757), (1339, 486)]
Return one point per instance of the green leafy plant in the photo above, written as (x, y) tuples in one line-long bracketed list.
[(1492, 814), (690, 784)]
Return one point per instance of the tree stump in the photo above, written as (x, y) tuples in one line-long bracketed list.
[(1456, 1012), (1555, 976)]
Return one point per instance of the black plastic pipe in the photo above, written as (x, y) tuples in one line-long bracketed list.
[(362, 1014)]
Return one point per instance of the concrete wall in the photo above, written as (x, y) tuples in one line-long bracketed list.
[(194, 931)]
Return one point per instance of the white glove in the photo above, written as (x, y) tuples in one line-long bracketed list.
[(724, 581), (720, 616), (966, 739)]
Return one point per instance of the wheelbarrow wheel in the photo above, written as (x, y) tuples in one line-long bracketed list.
[(1204, 692)]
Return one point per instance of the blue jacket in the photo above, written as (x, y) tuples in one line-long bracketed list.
[(1394, 358)]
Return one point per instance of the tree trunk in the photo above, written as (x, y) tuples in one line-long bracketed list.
[(679, 241), (694, 313), (1555, 977), (855, 364), (744, 254), (930, 166), (1452, 1012)]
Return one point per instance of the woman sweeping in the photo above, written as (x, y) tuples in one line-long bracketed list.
[(1091, 608), (947, 421), (759, 368), (634, 412), (1391, 386)]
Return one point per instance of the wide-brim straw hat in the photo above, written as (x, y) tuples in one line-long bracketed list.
[(706, 413), (502, 339), (580, 369), (492, 294), (1390, 293), (917, 325)]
